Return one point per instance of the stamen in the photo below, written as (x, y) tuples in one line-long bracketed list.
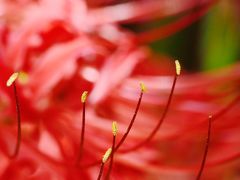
[(155, 130), (143, 89), (206, 148), (114, 131), (104, 160), (11, 81), (83, 100), (214, 117)]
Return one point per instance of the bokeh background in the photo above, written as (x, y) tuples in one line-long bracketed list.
[(210, 43)]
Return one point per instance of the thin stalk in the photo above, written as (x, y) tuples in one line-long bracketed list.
[(206, 149), (19, 136), (81, 148), (101, 171), (111, 160), (131, 123), (155, 130)]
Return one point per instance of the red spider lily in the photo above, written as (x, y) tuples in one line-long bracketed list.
[(64, 48)]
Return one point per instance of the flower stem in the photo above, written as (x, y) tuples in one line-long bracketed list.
[(206, 149)]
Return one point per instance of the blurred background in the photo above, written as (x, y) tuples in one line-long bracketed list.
[(211, 42)]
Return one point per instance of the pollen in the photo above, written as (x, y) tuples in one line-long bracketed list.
[(178, 67), (84, 96), (143, 87), (114, 128), (107, 155), (12, 78)]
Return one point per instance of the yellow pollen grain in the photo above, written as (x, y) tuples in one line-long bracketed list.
[(114, 128), (12, 78), (178, 67), (143, 87), (107, 155), (84, 96)]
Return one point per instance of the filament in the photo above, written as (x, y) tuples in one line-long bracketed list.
[(206, 149), (143, 89), (19, 136)]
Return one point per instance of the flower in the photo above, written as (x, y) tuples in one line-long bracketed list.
[(64, 48)]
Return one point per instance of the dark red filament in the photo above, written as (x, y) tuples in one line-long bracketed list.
[(112, 156), (82, 134), (131, 123), (17, 147), (101, 171), (206, 149)]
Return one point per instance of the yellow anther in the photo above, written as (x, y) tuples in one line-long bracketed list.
[(107, 155), (143, 87), (178, 67), (12, 78), (84, 96), (114, 128)]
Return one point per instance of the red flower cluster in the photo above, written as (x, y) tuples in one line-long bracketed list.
[(65, 47)]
